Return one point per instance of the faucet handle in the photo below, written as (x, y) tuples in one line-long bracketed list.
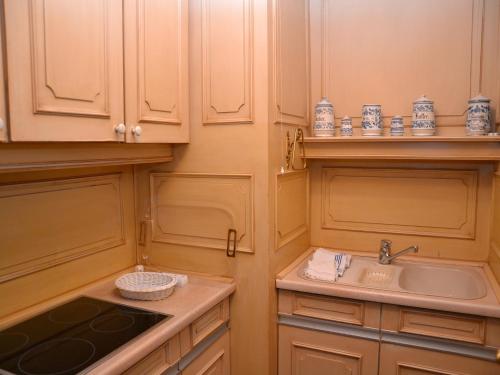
[(385, 246)]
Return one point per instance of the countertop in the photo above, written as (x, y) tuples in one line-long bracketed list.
[(186, 304), (489, 305)]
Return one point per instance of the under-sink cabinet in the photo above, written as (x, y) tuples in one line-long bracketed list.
[(330, 335), (201, 348), (69, 62)]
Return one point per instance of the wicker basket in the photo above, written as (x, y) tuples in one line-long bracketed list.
[(147, 286)]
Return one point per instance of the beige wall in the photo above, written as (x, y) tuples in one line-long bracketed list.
[(61, 230), (383, 52)]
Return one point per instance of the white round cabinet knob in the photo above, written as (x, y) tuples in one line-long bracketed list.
[(137, 131), (120, 129)]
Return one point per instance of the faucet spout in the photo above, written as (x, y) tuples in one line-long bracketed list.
[(385, 256)]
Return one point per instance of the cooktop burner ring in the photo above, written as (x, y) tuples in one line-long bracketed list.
[(78, 313), (24, 339), (52, 347), (116, 322)]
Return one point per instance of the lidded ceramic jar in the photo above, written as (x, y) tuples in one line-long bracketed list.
[(478, 116), (324, 124), (423, 122), (346, 126), (371, 120)]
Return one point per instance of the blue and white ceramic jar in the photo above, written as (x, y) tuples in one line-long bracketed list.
[(371, 120), (478, 116), (397, 126), (324, 124), (346, 126), (423, 122)]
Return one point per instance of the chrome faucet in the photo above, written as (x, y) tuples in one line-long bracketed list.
[(385, 257)]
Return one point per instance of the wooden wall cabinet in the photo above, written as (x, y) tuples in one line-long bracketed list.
[(65, 64)]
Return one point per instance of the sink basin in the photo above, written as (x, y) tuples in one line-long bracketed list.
[(441, 281)]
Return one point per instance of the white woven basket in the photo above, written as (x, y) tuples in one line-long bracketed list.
[(147, 286)]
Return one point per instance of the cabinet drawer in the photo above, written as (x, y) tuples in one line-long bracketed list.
[(308, 352), (403, 360), (204, 326), (458, 327), (158, 360), (208, 322), (329, 308), (214, 360)]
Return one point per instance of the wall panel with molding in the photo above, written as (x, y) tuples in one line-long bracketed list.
[(61, 230), (443, 208)]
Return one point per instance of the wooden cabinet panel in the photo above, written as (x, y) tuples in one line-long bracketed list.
[(291, 206), (306, 352), (403, 360), (291, 62), (3, 110), (159, 360), (335, 309), (156, 70), (227, 44), (208, 322), (65, 73), (198, 209), (47, 223), (213, 361)]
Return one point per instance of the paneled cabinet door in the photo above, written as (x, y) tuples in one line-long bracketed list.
[(307, 352), (156, 71), (213, 361), (65, 69), (3, 114), (404, 360)]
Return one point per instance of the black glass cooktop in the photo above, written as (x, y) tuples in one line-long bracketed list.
[(70, 338)]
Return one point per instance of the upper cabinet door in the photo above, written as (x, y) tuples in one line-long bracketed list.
[(156, 71), (65, 69)]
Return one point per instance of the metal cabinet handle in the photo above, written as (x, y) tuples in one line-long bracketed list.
[(498, 355), (120, 129), (231, 237), (2, 124), (136, 130)]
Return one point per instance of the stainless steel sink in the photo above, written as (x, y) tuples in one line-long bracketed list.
[(450, 282)]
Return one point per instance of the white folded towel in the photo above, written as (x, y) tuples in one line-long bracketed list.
[(327, 265)]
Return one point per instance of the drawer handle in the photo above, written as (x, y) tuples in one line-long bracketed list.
[(231, 237), (498, 355)]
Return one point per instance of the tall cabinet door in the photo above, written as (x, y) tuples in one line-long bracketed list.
[(156, 71), (3, 111), (65, 69)]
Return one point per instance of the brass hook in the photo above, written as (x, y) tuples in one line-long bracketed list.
[(291, 146)]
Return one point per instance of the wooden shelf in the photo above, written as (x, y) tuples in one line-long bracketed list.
[(403, 148)]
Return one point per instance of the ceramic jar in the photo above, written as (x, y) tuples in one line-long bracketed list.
[(346, 126), (324, 125), (371, 121), (397, 126), (478, 116), (423, 123)]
